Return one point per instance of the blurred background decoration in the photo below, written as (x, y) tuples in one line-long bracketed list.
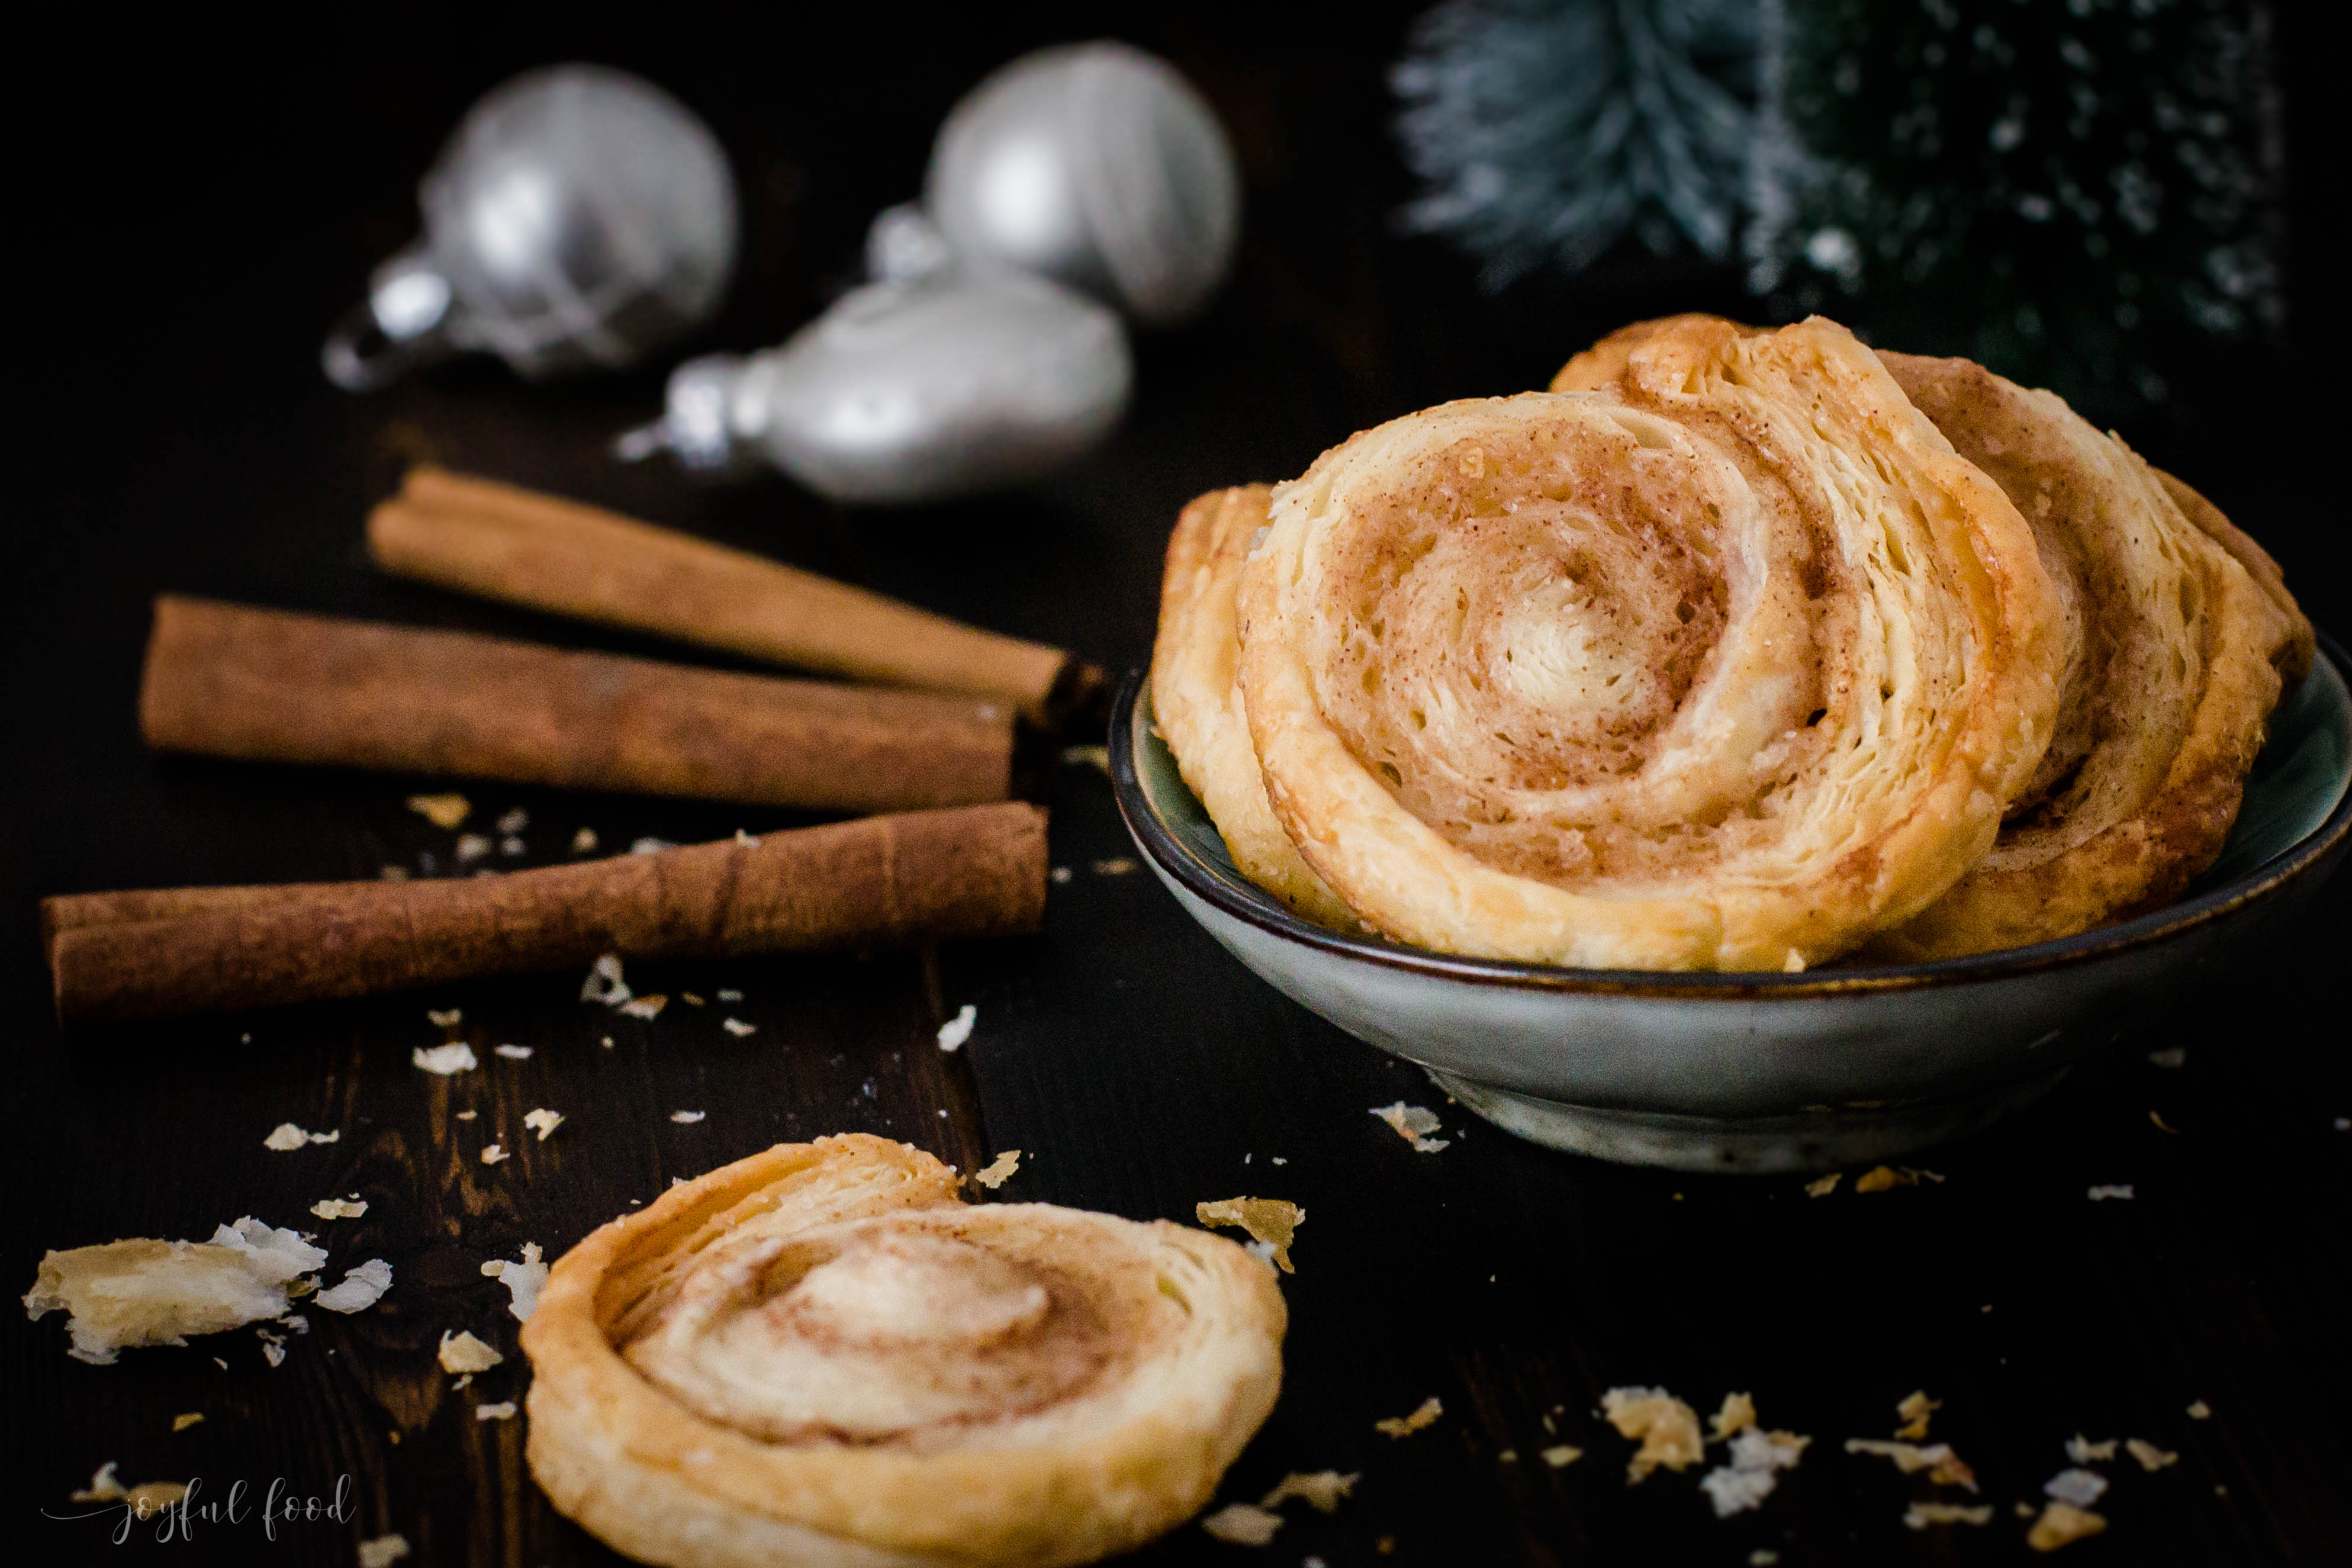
[(1545, 130), (579, 217), (2084, 195), (972, 363)]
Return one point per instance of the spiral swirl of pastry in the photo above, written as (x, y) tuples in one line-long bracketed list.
[(819, 1356), (2175, 655), (1198, 706), (1729, 666)]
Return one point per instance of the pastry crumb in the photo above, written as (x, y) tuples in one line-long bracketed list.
[(2121, 1190), (445, 1060), (2083, 1451), (444, 1018), (121, 1295), (1921, 1515), (461, 1352), (542, 1121), (2149, 1456), (514, 1052), (1413, 1123), (1423, 1415), (444, 811), (1241, 1524), (686, 1118), (286, 1136), (1748, 1477), (384, 1550), (999, 1170), (605, 984), (650, 845), (1323, 1489), (2161, 1124), (468, 1115), (1943, 1466), (1822, 1186), (738, 1027), (1269, 1220), (362, 1288), (524, 1280), (1666, 1428), (182, 1423), (1097, 756), (2062, 1524), (514, 821), (1117, 865), (2170, 1057), (1916, 1409), (1738, 1414), (645, 1006), (2199, 1411), (493, 1153), (472, 847), (1559, 1455), (1885, 1179), (340, 1208), (503, 1410), (1062, 873), (2081, 1488), (958, 1030)]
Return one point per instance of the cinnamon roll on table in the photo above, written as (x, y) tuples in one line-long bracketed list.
[(819, 1356)]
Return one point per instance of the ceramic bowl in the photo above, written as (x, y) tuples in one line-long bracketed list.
[(1764, 1071)]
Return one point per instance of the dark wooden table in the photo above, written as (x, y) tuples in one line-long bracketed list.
[(198, 220)]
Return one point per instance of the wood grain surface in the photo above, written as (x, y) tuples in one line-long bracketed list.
[(1138, 1067)]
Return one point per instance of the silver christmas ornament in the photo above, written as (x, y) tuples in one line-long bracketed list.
[(913, 389), (1096, 165), (579, 217)]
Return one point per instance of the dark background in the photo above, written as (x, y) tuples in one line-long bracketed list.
[(194, 207)]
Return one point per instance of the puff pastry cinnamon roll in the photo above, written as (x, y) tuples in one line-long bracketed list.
[(1729, 666), (820, 1356), (2176, 654)]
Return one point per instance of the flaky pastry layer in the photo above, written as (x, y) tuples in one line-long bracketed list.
[(820, 1356), (2175, 654), (1198, 706)]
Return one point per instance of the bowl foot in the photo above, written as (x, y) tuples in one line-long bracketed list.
[(1812, 1140)]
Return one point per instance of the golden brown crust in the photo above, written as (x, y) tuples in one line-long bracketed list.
[(2295, 652), (1665, 676), (660, 1315), (1198, 706), (2172, 669)]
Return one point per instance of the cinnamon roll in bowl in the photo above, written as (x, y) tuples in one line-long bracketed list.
[(1729, 666)]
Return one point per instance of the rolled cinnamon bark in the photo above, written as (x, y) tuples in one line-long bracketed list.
[(978, 870), (268, 685), (503, 542)]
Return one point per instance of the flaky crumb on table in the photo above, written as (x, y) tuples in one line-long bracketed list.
[(2063, 1524), (1943, 1466), (1270, 1221), (1425, 1413), (1666, 1428), (462, 1352), (1241, 1524), (1323, 1489)]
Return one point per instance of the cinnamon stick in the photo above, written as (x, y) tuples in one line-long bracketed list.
[(270, 686), (503, 542), (977, 871)]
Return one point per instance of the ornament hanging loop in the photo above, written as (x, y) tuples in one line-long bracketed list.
[(405, 321)]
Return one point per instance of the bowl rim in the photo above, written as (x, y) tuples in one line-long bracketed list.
[(1178, 861)]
